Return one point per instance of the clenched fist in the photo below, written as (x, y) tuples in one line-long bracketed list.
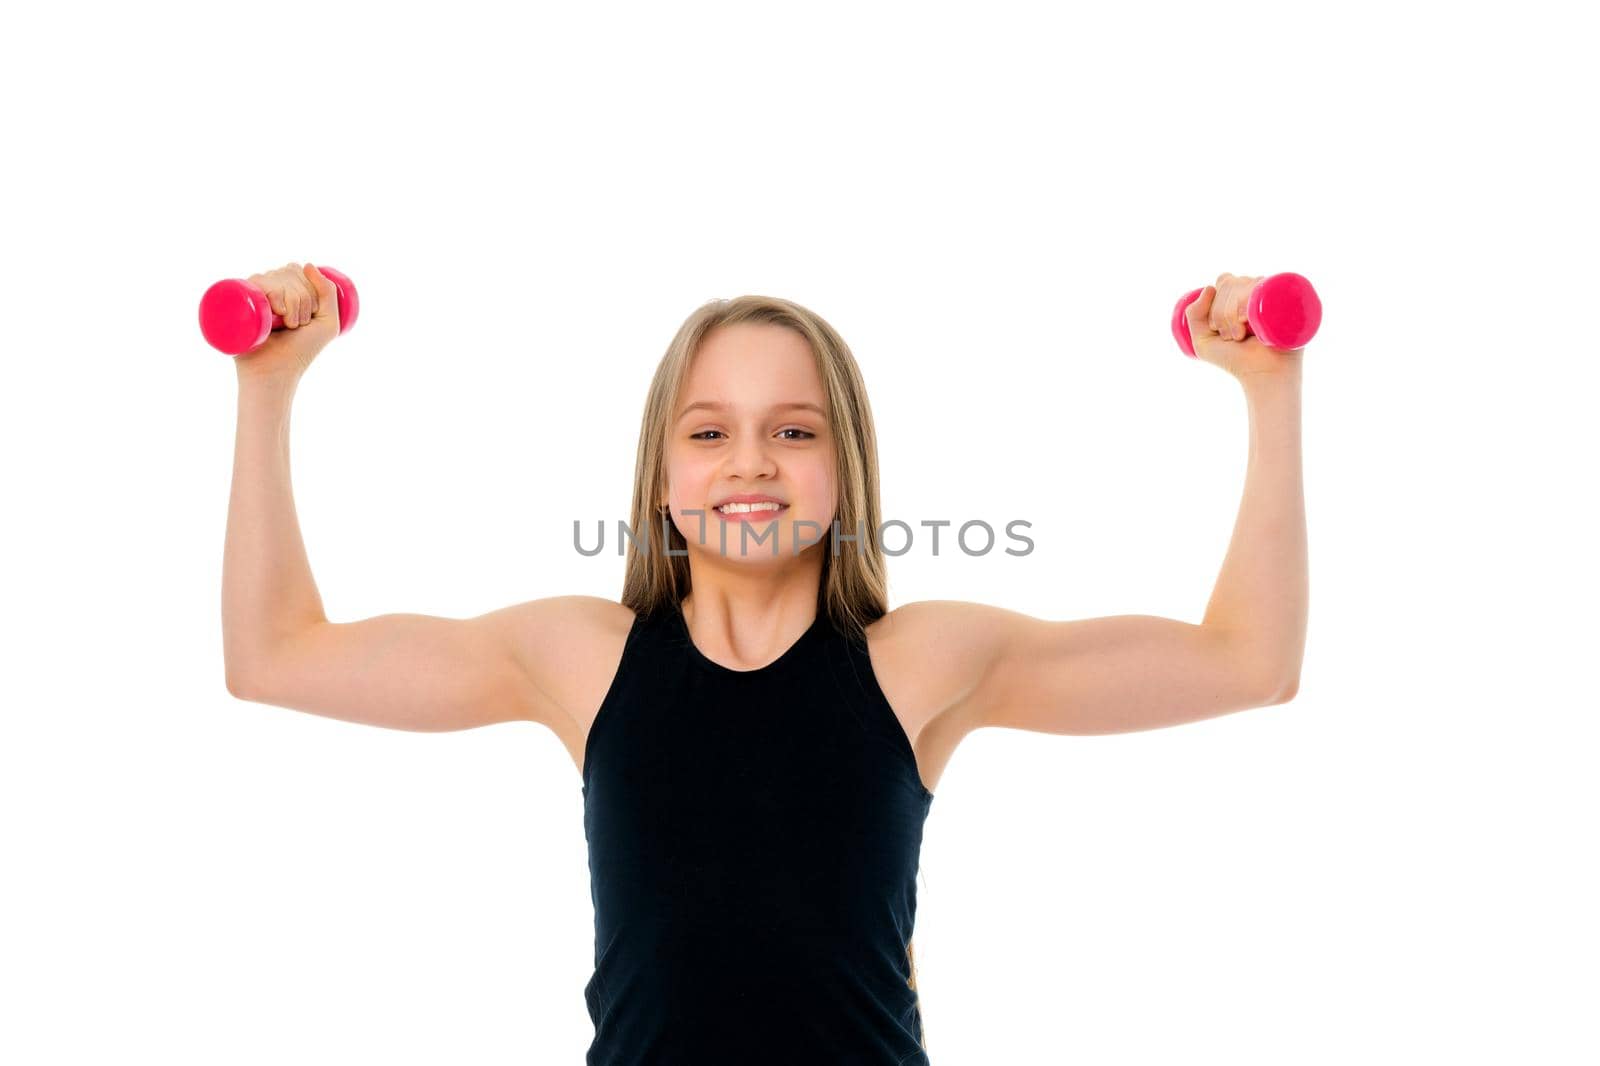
[(1217, 325), (309, 305)]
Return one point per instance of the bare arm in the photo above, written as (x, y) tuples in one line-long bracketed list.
[(268, 594), (402, 671), (1132, 672), (1126, 673), (1262, 594)]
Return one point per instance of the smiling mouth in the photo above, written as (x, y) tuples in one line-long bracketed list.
[(758, 510)]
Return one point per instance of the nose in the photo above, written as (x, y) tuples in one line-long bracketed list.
[(751, 457)]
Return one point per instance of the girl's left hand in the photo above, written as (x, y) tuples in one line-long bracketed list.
[(1217, 329)]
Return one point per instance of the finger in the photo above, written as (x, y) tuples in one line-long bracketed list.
[(1219, 305), (1238, 295), (283, 292), (308, 299), (327, 293), (291, 299), (1198, 314), (1223, 307), (1235, 296), (274, 295)]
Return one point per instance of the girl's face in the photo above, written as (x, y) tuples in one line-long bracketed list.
[(742, 426)]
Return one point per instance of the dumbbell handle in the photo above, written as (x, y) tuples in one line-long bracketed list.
[(236, 317), (1282, 310)]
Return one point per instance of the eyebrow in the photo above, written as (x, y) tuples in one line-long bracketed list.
[(721, 405)]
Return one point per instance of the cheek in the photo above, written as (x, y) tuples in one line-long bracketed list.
[(689, 477), (817, 484)]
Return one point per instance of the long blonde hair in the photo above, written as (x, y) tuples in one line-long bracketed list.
[(854, 590)]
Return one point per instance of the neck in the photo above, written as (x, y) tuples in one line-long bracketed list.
[(750, 621)]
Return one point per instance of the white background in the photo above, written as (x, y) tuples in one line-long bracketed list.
[(997, 208)]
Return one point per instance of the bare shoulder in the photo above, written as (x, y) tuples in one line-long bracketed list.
[(928, 657), (933, 652), (568, 648)]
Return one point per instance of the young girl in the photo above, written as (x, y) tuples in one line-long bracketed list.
[(757, 734)]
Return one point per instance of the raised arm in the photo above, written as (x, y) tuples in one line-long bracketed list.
[(402, 671), (1132, 672), (1261, 598)]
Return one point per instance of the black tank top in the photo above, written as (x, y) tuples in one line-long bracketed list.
[(753, 846)]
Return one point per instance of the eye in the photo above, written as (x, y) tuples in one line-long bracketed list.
[(806, 433)]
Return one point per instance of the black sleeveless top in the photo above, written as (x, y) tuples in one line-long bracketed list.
[(753, 843)]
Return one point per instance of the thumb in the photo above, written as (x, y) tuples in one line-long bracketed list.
[(1198, 312), (327, 293)]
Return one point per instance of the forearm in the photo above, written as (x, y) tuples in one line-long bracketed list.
[(268, 592), (1262, 592)]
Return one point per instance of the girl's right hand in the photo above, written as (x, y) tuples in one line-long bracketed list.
[(309, 304)]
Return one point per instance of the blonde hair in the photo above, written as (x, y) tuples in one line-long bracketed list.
[(854, 588)]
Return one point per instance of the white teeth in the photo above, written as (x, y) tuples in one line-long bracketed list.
[(742, 508)]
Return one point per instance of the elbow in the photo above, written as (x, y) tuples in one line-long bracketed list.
[(1282, 689), (240, 686), (1268, 679)]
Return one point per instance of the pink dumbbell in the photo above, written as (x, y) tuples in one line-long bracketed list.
[(1283, 311), (236, 318)]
